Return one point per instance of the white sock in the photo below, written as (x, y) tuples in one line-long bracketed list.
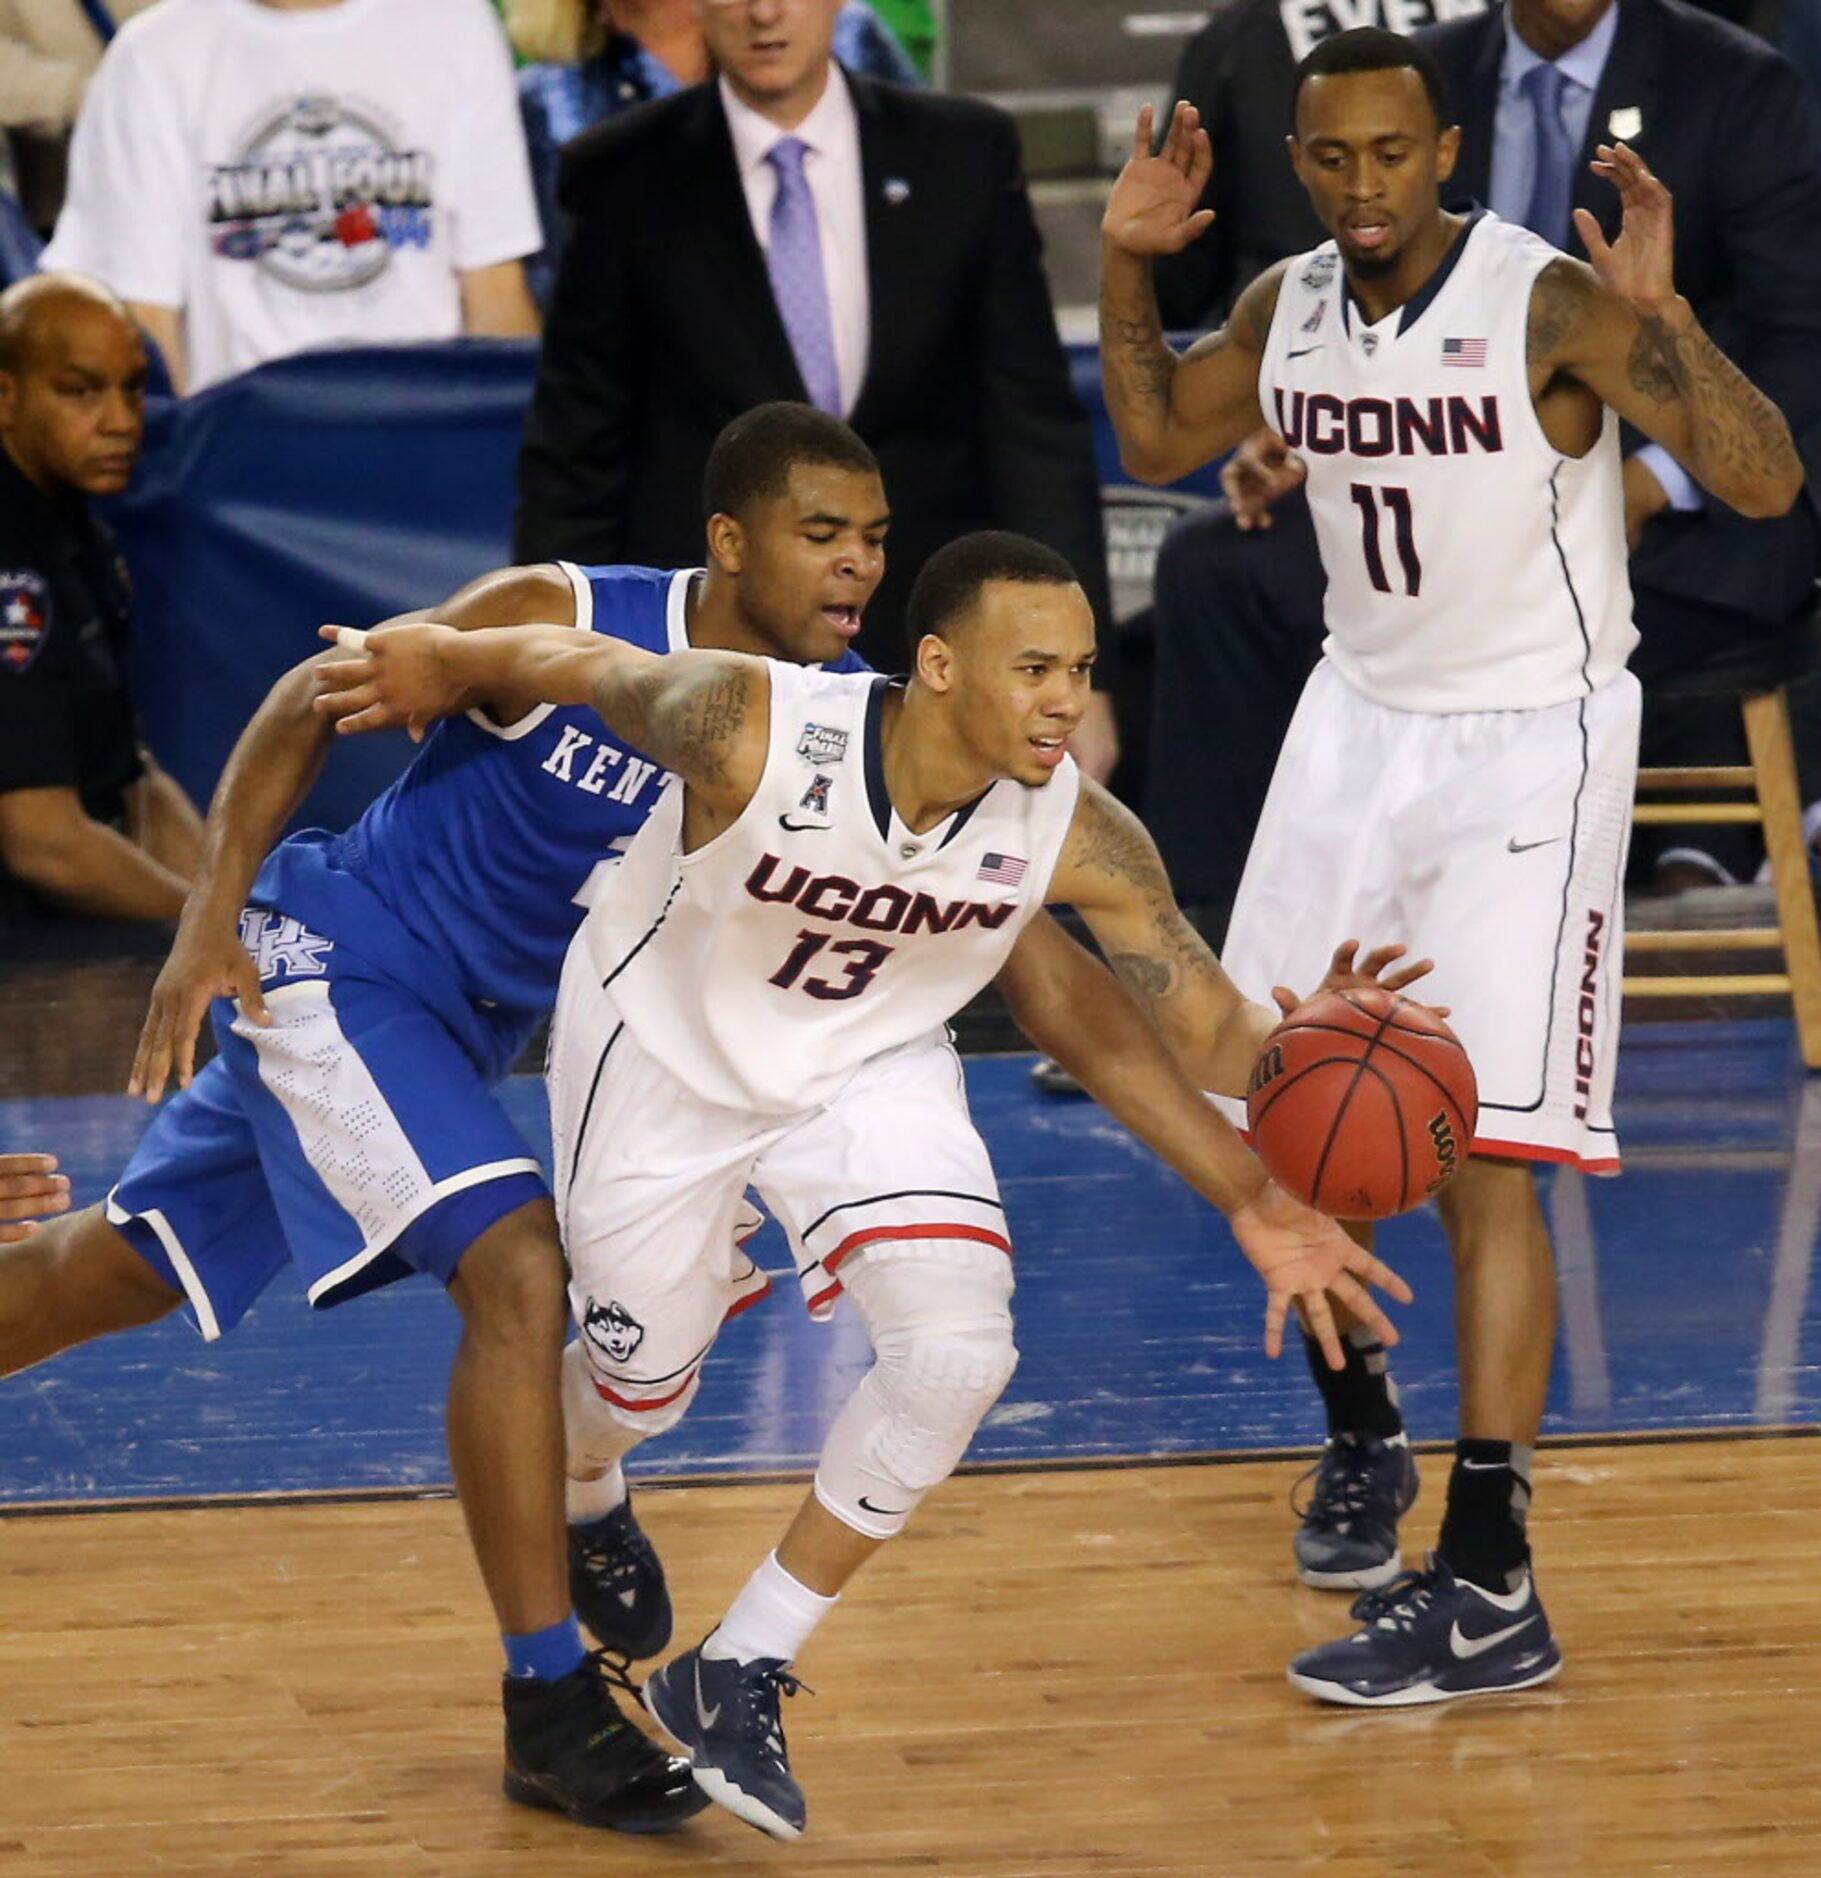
[(772, 1616), (585, 1501)]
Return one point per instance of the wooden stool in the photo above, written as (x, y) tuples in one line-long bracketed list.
[(1758, 674)]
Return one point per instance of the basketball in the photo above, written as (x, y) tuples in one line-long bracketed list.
[(1362, 1103)]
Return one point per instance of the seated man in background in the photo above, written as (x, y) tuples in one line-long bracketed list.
[(88, 822), (594, 59), (257, 179), (1729, 128)]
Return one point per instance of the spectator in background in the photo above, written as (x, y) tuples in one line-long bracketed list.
[(88, 822), (793, 231), (48, 51), (257, 177), (597, 58), (1237, 72), (1729, 128)]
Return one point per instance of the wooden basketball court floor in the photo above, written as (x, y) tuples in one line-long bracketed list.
[(280, 1660)]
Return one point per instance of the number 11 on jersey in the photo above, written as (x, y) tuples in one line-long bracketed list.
[(1397, 504)]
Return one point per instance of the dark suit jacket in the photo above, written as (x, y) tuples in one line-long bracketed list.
[(662, 328), (1729, 126)]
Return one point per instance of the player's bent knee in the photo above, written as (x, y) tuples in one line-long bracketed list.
[(605, 1417), (511, 1281), (73, 1279)]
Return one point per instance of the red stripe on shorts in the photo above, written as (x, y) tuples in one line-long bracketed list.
[(651, 1402), (867, 1234)]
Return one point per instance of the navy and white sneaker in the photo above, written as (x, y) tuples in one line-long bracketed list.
[(1348, 1537), (617, 1585), (1430, 1637), (724, 1714)]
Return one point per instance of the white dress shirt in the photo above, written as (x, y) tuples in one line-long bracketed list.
[(832, 169)]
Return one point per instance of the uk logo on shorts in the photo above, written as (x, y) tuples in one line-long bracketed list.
[(613, 1330), (25, 617), (282, 948)]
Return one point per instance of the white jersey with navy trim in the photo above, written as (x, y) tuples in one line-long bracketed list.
[(818, 931), (1471, 565)]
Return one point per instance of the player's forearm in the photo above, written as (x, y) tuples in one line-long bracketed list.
[(1137, 369), (1739, 445), (93, 869), (269, 772), (552, 664)]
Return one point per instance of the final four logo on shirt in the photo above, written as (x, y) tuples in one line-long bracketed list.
[(1319, 272), (821, 744), (321, 196), (25, 614)]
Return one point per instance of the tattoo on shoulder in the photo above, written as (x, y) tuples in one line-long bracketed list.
[(1110, 841), (1559, 303), (691, 725)]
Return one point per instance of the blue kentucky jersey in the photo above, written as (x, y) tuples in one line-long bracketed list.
[(470, 874)]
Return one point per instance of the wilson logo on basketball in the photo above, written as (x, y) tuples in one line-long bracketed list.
[(1441, 1137), (1266, 1069)]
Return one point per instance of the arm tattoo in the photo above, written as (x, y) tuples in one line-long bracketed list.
[(1558, 305), (1740, 436), (688, 724), (1111, 842)]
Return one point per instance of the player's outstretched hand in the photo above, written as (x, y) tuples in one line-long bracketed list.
[(207, 962), (399, 678), (30, 1189), (1640, 266), (1308, 1263), (1263, 470), (1154, 205), (1379, 967)]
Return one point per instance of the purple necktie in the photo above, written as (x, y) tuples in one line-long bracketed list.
[(794, 262)]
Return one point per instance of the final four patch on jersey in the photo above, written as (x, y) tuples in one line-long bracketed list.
[(821, 744), (25, 618), (1319, 272)]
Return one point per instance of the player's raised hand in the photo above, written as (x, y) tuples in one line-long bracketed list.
[(1640, 266), (1261, 471), (207, 961), (30, 1190), (1348, 972), (1154, 208), (1308, 1264), (399, 678)]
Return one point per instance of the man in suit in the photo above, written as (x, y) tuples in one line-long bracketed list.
[(794, 231), (1728, 126)]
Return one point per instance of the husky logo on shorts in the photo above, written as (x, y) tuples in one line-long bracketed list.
[(282, 947), (822, 744), (612, 1330)]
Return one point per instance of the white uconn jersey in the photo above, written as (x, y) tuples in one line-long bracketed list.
[(818, 930), (1471, 566)]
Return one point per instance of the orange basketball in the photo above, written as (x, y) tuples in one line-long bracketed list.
[(1362, 1104)]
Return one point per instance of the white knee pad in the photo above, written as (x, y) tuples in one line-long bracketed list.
[(598, 1430), (938, 1313)]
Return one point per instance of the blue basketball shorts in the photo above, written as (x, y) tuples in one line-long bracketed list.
[(356, 1138)]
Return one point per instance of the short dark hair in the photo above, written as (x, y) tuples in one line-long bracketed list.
[(752, 458), (952, 577), (1373, 49)]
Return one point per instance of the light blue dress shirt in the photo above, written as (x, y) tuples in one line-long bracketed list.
[(1514, 170)]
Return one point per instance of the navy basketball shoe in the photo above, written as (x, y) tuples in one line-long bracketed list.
[(570, 1750), (617, 1585), (1430, 1637), (724, 1713), (1348, 1537)]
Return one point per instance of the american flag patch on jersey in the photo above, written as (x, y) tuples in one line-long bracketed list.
[(1004, 869), (1463, 352)]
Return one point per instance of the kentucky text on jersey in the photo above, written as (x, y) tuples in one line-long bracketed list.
[(874, 909), (1327, 425)]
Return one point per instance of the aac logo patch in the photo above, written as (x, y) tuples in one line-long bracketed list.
[(25, 618)]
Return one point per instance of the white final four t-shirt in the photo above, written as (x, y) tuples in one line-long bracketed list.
[(299, 178)]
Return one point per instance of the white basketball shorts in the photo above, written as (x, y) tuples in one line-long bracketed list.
[(1491, 841), (650, 1185)]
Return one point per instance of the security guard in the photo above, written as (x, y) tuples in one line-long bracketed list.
[(88, 822)]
